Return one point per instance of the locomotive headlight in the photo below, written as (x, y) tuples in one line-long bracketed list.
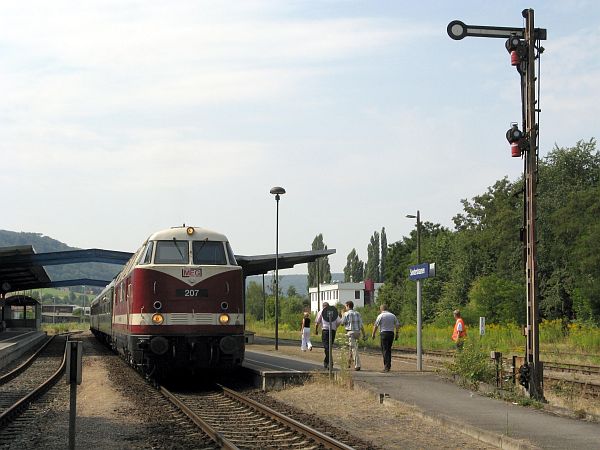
[(224, 319), (157, 319), (190, 231)]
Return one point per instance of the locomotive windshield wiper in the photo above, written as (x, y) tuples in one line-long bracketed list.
[(197, 251), (203, 244), (178, 249)]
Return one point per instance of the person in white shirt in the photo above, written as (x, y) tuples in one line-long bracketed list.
[(353, 323), (386, 322), (328, 328)]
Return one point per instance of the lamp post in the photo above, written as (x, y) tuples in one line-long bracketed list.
[(419, 318), (318, 286), (277, 191), (264, 302)]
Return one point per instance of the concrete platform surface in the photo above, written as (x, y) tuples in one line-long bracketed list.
[(493, 421), (14, 343), (443, 400)]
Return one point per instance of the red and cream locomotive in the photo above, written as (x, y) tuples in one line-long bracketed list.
[(177, 303)]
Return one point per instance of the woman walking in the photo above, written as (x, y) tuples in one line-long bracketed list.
[(305, 332)]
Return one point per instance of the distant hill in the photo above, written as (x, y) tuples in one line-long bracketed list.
[(44, 244), (300, 282)]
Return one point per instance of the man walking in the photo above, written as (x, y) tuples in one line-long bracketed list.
[(328, 329), (386, 322), (354, 327)]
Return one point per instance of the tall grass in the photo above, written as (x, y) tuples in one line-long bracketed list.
[(56, 328), (555, 338)]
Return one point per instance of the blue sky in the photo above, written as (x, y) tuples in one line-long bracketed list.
[(119, 118)]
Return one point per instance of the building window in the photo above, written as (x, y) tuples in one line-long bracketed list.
[(356, 295)]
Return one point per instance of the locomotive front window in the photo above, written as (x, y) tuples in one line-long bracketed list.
[(230, 255), (148, 253), (171, 252), (208, 252)]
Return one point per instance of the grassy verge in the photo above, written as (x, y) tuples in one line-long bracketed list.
[(574, 343), (56, 328)]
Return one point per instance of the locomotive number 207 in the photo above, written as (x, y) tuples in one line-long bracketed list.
[(191, 293)]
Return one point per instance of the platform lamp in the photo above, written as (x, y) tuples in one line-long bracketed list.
[(277, 191), (419, 307)]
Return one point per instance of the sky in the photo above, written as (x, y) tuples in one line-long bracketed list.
[(119, 118)]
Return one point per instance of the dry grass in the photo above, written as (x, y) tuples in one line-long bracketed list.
[(389, 425)]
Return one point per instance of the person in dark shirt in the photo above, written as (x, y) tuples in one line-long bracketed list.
[(305, 332)]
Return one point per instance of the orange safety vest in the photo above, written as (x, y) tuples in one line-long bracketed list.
[(456, 335)]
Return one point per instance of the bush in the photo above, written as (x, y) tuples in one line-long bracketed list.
[(473, 364)]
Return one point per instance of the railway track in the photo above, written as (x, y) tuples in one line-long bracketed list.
[(23, 385), (235, 421), (572, 368)]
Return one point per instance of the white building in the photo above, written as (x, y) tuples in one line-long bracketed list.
[(335, 293)]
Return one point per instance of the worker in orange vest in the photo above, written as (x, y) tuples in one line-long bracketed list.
[(460, 330)]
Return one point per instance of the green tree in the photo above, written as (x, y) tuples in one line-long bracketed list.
[(354, 269), (372, 269), (275, 284), (322, 264), (291, 291), (481, 262), (384, 250), (498, 300), (254, 300), (568, 204)]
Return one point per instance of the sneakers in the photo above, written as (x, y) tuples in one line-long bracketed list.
[(357, 369)]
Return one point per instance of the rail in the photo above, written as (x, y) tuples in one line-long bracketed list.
[(16, 371), (310, 433), (12, 412), (297, 429)]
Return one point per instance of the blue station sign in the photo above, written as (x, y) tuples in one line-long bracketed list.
[(421, 271), (418, 272)]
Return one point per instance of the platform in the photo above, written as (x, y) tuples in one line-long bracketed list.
[(276, 371), (435, 398), (14, 343)]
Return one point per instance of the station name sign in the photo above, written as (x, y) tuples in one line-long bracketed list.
[(421, 271)]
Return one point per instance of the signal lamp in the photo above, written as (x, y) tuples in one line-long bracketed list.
[(224, 319), (515, 137), (517, 49), (157, 319)]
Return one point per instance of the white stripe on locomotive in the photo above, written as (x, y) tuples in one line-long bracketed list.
[(179, 319)]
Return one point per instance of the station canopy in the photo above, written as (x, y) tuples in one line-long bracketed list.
[(260, 264), (21, 268)]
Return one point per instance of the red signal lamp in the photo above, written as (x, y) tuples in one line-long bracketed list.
[(517, 49), (516, 139)]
